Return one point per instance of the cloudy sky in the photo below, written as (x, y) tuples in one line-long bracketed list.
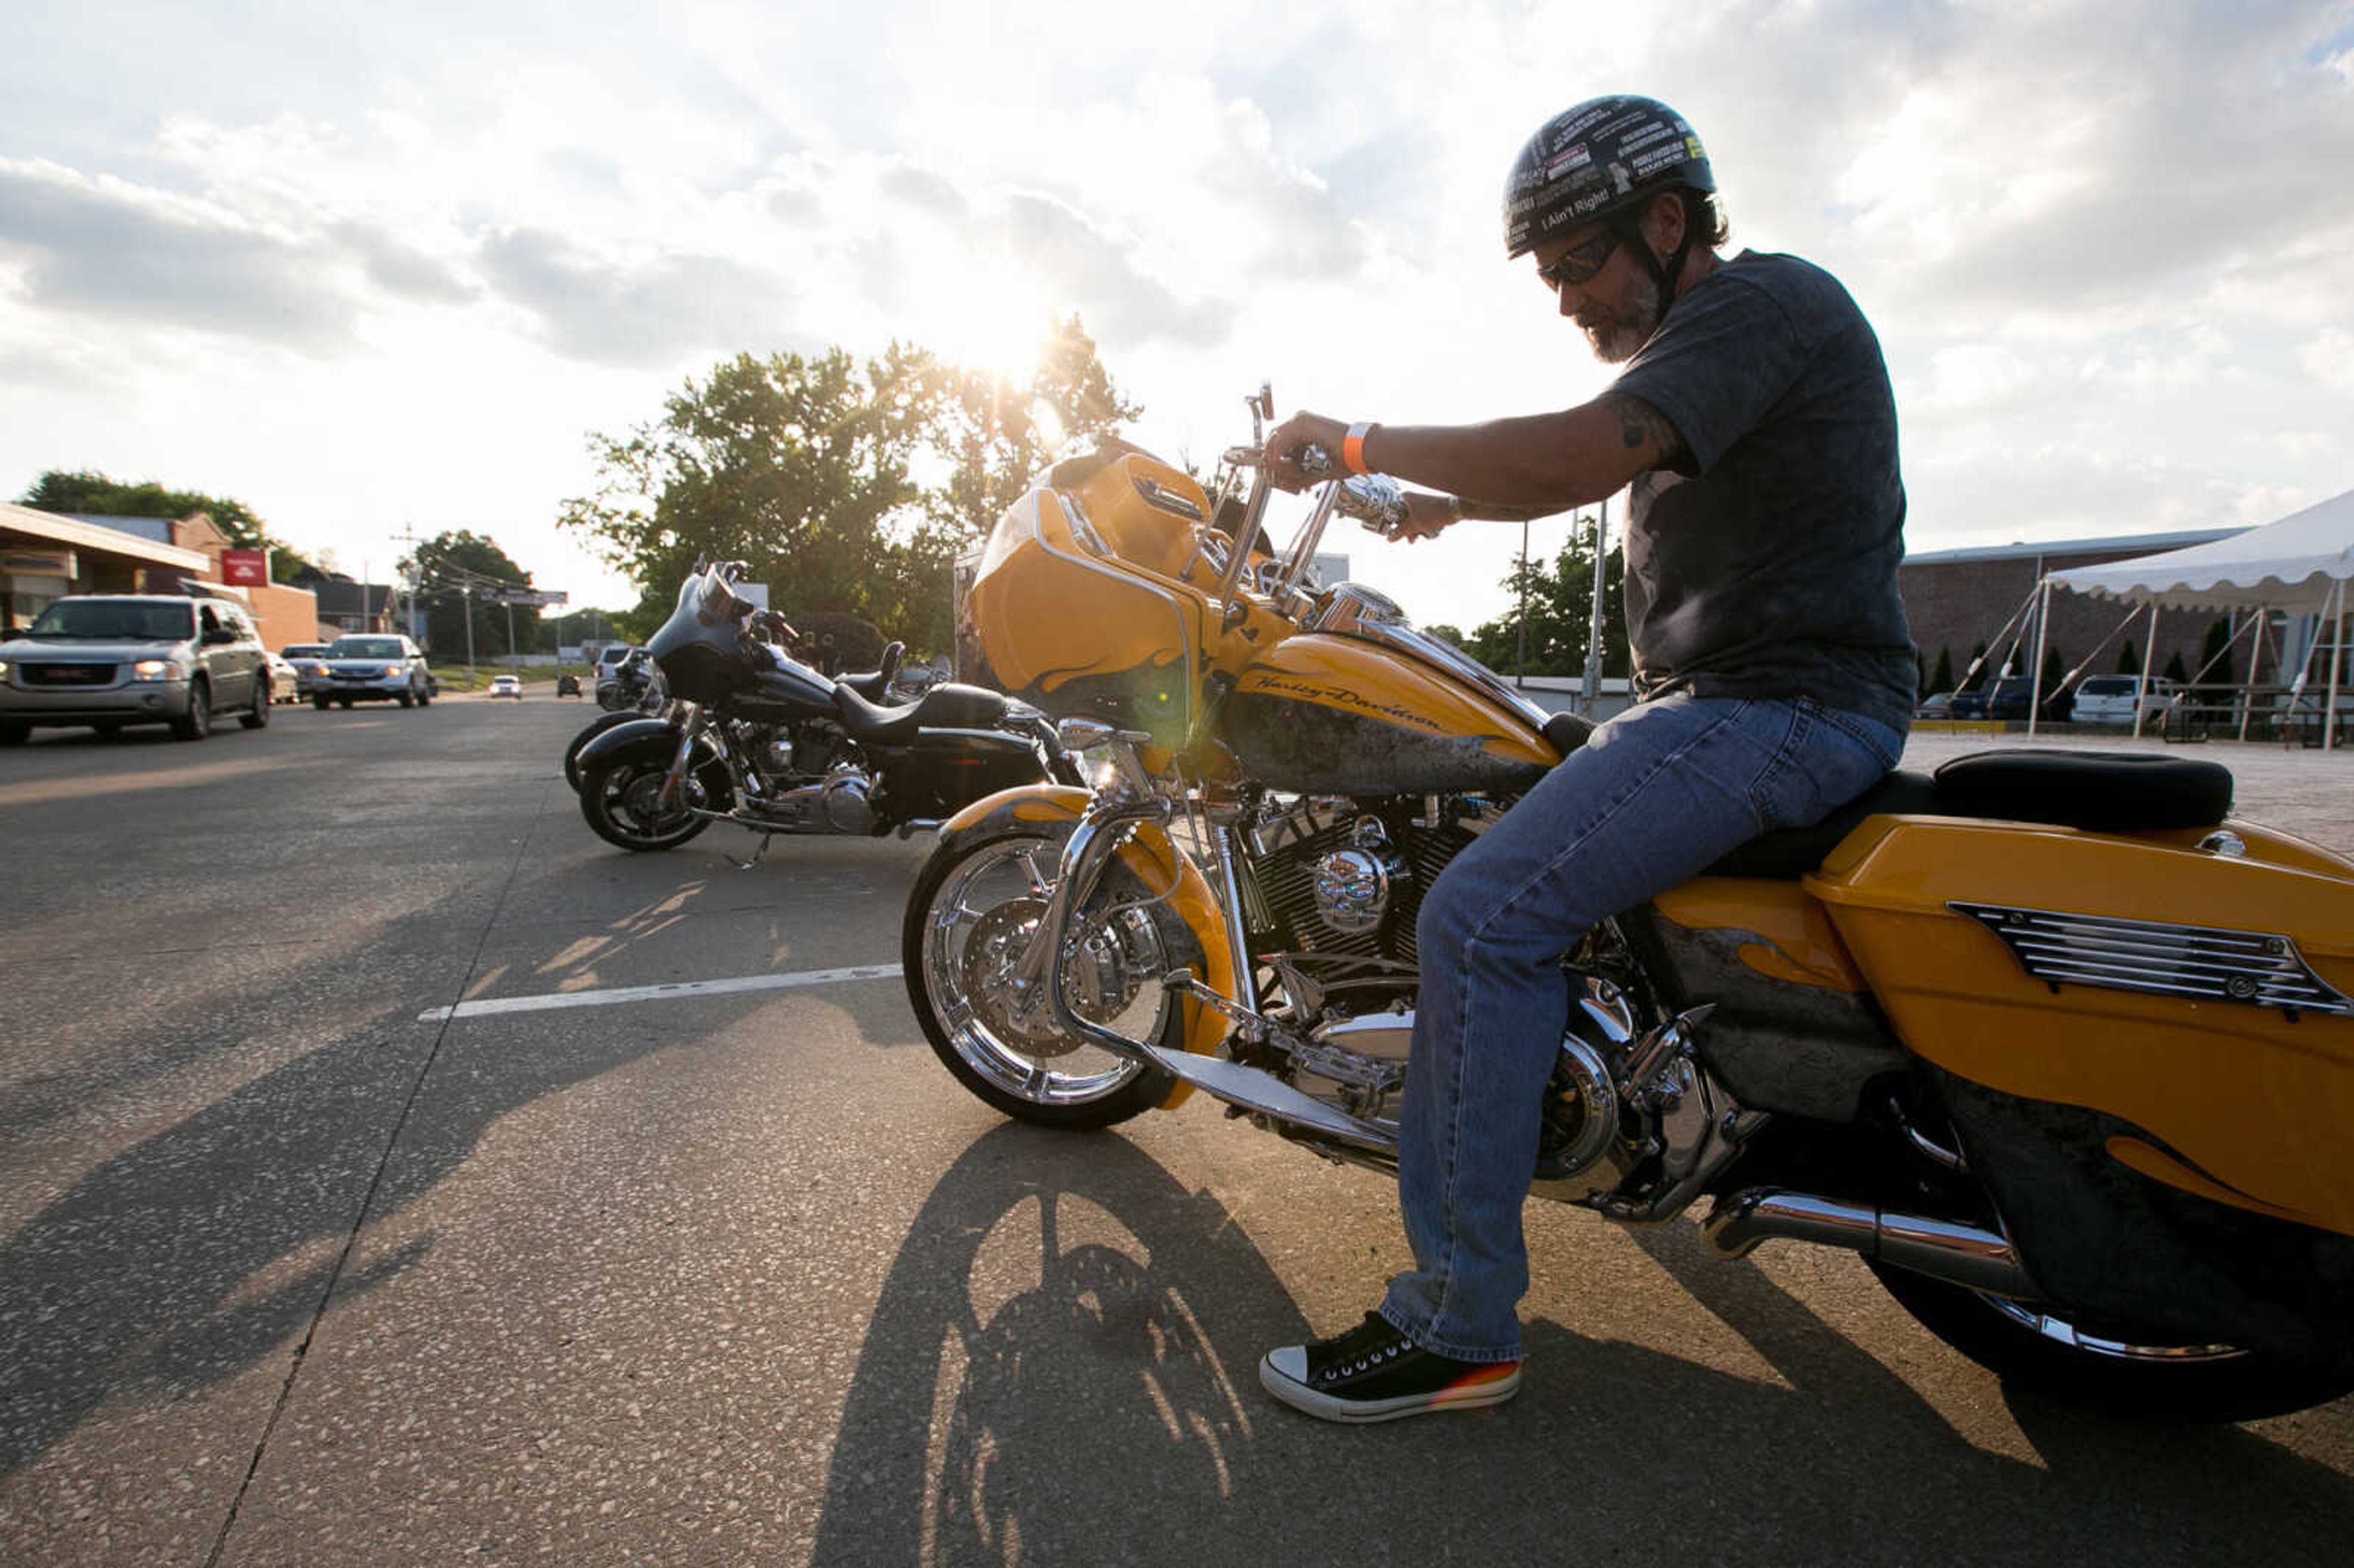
[(374, 269)]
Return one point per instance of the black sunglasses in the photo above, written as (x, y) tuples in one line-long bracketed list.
[(1579, 263)]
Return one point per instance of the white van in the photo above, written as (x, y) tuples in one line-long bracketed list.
[(2109, 699)]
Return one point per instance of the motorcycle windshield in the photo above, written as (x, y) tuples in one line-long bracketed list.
[(699, 649)]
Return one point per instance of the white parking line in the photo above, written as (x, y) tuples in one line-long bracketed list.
[(653, 993)]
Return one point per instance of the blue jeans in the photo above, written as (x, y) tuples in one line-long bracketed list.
[(1653, 798)]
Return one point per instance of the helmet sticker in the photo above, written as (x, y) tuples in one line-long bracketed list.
[(1561, 162)]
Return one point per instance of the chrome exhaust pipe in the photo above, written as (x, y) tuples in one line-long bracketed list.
[(1957, 1253)]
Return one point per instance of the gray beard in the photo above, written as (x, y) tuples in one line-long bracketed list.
[(1616, 342)]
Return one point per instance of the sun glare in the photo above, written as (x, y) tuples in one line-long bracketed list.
[(993, 319)]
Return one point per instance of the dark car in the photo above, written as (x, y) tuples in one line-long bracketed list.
[(1968, 705), (568, 686), (2013, 693)]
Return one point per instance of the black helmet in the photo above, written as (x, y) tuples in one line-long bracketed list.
[(1604, 156)]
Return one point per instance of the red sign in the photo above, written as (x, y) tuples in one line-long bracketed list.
[(246, 568)]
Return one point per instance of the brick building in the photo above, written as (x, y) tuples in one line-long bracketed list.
[(1956, 600)]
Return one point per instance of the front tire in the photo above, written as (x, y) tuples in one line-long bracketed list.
[(197, 722), (972, 910), (2027, 1348), (256, 713), (620, 801), (319, 704), (594, 728)]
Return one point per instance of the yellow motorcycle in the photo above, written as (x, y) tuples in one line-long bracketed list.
[(2064, 1050)]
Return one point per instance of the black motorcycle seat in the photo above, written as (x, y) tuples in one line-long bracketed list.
[(2099, 791), (949, 706), (874, 685)]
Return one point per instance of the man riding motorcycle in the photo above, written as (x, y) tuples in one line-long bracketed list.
[(1754, 426)]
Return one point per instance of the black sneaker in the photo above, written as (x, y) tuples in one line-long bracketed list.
[(1373, 1373)]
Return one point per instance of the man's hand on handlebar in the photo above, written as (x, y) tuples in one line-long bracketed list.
[(1289, 440), (1427, 517)]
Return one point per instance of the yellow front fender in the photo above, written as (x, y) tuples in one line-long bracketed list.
[(1155, 861)]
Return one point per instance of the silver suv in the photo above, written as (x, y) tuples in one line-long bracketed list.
[(112, 661), (373, 667)]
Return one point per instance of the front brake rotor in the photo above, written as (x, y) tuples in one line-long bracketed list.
[(1094, 978)]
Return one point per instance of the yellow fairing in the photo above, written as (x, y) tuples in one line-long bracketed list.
[(1098, 599), (2254, 1107), (1148, 853)]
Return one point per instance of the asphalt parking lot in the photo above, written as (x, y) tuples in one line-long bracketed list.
[(359, 1207)]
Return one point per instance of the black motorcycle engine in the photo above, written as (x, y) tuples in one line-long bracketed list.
[(1346, 877), (792, 754)]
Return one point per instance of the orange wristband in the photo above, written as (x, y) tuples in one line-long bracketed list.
[(1352, 448)]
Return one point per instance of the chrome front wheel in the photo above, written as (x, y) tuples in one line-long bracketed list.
[(972, 917)]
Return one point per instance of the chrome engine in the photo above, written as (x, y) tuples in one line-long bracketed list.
[(1633, 1124)]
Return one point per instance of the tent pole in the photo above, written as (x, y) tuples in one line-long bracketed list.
[(2148, 652), (2337, 648), (2256, 662), (2042, 624)]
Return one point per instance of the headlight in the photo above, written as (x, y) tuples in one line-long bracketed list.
[(158, 670)]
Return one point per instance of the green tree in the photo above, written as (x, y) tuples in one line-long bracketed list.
[(455, 572), (1559, 607), (811, 469), (1943, 681), (96, 495), (2128, 658)]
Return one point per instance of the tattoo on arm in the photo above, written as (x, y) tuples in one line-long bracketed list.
[(1640, 423)]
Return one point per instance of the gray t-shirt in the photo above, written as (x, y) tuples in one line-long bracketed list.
[(1766, 566)]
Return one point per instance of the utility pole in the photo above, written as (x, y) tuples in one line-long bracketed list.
[(513, 665), (1593, 621), (1520, 659), (466, 597), (408, 535)]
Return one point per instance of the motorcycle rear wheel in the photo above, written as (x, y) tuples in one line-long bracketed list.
[(2030, 1349), (973, 908), (619, 798)]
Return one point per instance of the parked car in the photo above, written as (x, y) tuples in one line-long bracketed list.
[(2012, 694), (1935, 706), (284, 680), (2109, 699), (310, 663), (1970, 702), (621, 676), (608, 661), (373, 667), (113, 661), (507, 686)]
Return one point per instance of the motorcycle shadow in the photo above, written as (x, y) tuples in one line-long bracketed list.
[(1062, 1368)]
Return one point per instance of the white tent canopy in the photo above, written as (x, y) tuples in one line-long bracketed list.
[(2295, 564)]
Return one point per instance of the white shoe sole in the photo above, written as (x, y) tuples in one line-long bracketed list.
[(1365, 1412)]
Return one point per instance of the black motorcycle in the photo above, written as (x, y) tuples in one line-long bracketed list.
[(755, 738)]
